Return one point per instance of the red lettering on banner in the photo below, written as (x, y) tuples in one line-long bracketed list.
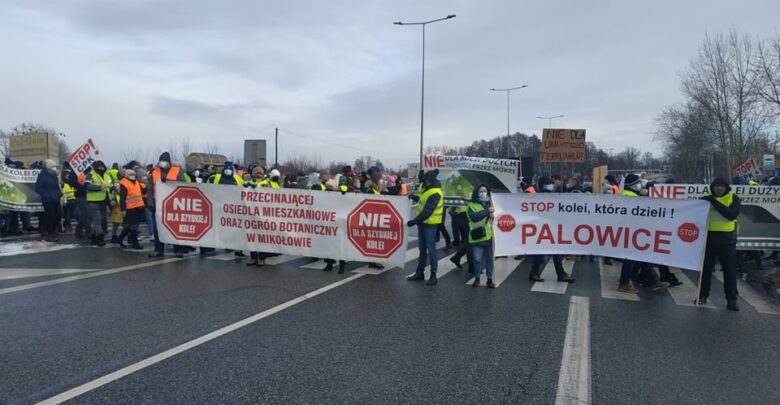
[(560, 236), (527, 230), (634, 239), (577, 234), (608, 232), (434, 161), (546, 233), (658, 241)]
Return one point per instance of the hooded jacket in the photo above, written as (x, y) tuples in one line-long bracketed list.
[(731, 213), (478, 216), (47, 185)]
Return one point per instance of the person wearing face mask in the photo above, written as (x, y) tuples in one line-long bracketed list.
[(557, 183), (548, 186), (573, 185), (430, 214), (228, 176), (480, 215), (163, 173), (633, 188), (721, 241), (47, 185), (131, 204)]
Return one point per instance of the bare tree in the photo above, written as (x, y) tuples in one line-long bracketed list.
[(767, 71), (722, 80), (301, 163)]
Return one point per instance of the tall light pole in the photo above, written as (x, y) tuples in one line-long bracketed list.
[(550, 119), (422, 92), (507, 101)]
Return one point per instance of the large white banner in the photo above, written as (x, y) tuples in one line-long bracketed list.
[(759, 217), (460, 174), (670, 232), (322, 224)]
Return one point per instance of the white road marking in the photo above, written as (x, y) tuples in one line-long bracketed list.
[(225, 257), (411, 255), (502, 269), (29, 247), (685, 294), (123, 372), (574, 379), (318, 265), (444, 266), (281, 259), (13, 274), (551, 284), (83, 276), (760, 303), (610, 278)]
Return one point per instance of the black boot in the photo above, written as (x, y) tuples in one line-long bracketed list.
[(134, 241), (432, 280), (342, 267), (120, 240), (328, 267), (93, 241), (732, 305), (417, 276), (100, 239)]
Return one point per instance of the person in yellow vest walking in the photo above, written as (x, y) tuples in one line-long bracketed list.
[(98, 184), (430, 213), (480, 215), (721, 241), (69, 205), (131, 205)]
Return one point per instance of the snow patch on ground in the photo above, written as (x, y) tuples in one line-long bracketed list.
[(27, 247)]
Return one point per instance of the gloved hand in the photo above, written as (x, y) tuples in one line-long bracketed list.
[(410, 224), (415, 198), (124, 213), (420, 175), (343, 192), (708, 198)]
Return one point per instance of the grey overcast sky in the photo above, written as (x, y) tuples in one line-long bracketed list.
[(341, 79)]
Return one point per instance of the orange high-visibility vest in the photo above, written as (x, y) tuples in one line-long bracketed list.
[(404, 190), (173, 175), (134, 198), (530, 190)]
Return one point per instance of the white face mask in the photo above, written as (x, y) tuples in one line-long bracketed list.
[(483, 196), (549, 187), (228, 172), (196, 173), (131, 178), (163, 164)]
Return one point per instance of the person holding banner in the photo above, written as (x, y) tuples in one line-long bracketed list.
[(480, 217), (164, 172), (721, 241), (548, 186), (430, 213), (634, 188)]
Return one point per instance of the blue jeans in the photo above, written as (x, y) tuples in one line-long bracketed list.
[(477, 253), (150, 221), (426, 237)]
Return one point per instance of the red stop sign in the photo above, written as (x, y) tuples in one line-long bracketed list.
[(506, 223), (187, 213), (688, 232), (375, 228)]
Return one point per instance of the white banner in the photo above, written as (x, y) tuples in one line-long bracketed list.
[(460, 174), (327, 225), (83, 157), (759, 217), (670, 232)]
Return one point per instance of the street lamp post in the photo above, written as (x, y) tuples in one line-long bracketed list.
[(507, 102), (422, 91)]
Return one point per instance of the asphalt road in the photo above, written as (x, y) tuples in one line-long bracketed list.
[(102, 325)]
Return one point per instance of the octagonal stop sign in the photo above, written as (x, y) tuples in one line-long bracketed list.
[(187, 213), (375, 228)]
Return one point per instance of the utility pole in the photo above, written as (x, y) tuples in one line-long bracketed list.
[(276, 147)]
